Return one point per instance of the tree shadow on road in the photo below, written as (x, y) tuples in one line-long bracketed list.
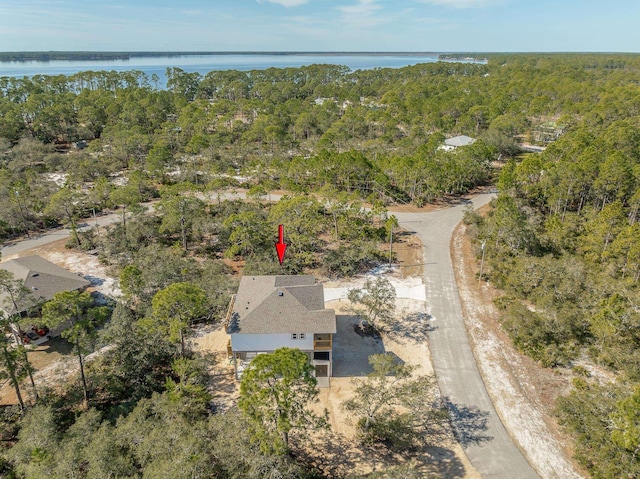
[(414, 325), (469, 423)]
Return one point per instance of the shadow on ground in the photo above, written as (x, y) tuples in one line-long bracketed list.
[(350, 351), (469, 423), (95, 281), (415, 326), (338, 456)]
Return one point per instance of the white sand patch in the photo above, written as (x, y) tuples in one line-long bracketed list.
[(406, 338), (64, 368), (119, 179), (407, 288), (58, 178), (89, 267)]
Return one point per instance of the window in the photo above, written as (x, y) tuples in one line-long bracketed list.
[(294, 336), (301, 335)]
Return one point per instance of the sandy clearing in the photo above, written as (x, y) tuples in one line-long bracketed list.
[(211, 341), (406, 288)]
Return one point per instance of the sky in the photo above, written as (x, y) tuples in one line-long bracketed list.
[(320, 25)]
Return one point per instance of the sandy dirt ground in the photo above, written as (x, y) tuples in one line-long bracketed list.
[(522, 391), (341, 454), (336, 452)]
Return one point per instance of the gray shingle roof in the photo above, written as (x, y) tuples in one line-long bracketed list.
[(42, 278), (461, 140), (280, 304)]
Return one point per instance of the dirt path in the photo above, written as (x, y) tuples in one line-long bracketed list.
[(522, 391)]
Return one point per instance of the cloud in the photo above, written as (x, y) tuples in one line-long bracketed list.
[(362, 14), (192, 13), (286, 3), (362, 7), (464, 3), (308, 27)]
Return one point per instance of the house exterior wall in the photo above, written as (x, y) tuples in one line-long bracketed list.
[(269, 342)]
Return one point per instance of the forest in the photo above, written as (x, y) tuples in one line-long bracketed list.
[(561, 239)]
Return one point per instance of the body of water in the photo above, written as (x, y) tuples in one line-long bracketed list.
[(206, 63)]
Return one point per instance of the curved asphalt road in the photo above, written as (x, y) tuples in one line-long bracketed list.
[(478, 427), (14, 247)]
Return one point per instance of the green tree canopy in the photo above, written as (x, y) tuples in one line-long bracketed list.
[(375, 301), (77, 313), (175, 307), (274, 392)]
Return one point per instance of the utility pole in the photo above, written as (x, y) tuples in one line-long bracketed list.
[(96, 220), (483, 247), (391, 222), (390, 245)]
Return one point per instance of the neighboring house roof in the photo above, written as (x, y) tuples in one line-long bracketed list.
[(461, 140), (42, 278), (280, 304)]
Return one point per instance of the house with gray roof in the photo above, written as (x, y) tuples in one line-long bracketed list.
[(271, 312), (41, 278), (457, 142)]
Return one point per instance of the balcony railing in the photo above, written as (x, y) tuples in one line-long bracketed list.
[(322, 344), (227, 318)]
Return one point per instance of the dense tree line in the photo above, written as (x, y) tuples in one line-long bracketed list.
[(374, 132), (102, 56), (281, 127), (563, 241), (149, 416)]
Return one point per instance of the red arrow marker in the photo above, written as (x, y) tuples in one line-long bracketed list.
[(281, 246)]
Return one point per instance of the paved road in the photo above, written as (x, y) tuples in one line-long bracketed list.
[(15, 247), (479, 429)]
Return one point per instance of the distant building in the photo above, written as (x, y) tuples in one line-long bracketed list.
[(41, 278), (547, 132), (456, 142), (271, 312)]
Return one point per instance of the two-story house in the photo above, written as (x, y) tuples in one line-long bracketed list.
[(271, 312)]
